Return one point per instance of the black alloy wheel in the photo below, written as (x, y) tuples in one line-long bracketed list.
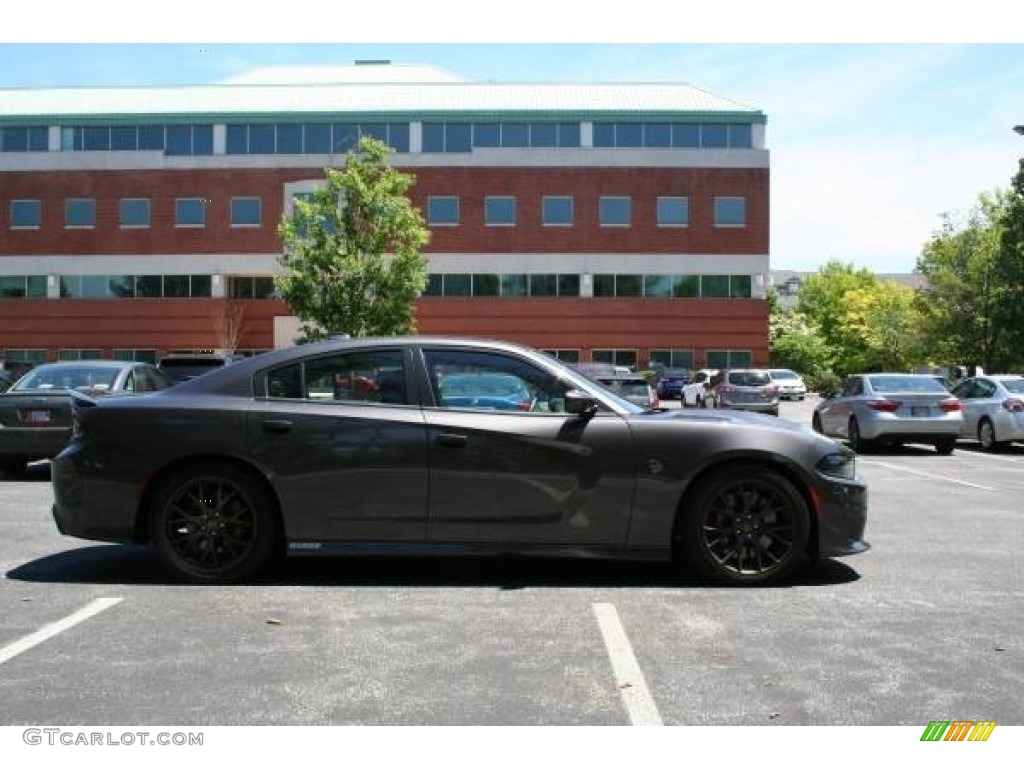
[(748, 525), (212, 524)]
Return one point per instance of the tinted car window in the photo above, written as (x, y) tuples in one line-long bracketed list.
[(905, 384), (363, 376), (59, 377), (1014, 385), (749, 378)]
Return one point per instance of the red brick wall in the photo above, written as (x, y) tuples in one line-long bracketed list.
[(162, 187)]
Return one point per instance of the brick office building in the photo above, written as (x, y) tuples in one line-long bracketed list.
[(618, 222)]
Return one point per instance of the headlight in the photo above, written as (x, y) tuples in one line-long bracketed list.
[(838, 465)]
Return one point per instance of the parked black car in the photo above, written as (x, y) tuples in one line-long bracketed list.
[(185, 366), (359, 447), (35, 413)]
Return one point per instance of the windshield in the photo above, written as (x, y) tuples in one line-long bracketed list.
[(65, 377), (749, 378)]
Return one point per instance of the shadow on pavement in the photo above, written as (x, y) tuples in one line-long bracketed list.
[(135, 564)]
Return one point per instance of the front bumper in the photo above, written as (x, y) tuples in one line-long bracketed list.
[(842, 507)]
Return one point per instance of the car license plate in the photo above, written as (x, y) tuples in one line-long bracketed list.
[(37, 417), (919, 410)]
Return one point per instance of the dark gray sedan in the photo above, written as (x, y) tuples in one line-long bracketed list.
[(35, 413), (354, 447)]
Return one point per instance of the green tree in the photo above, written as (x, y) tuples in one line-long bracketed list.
[(967, 299), (794, 340), (885, 318), (824, 304), (352, 252), (1009, 269)]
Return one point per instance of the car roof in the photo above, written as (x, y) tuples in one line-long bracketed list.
[(89, 364)]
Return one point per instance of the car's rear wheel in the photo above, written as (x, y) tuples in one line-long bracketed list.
[(853, 436), (987, 436), (745, 525), (213, 524), (945, 447)]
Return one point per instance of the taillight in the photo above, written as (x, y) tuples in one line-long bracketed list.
[(950, 405), (888, 406), (523, 405), (1013, 405)]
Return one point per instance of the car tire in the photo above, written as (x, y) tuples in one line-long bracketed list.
[(987, 436), (816, 424), (853, 437), (945, 447), (745, 525), (213, 524)]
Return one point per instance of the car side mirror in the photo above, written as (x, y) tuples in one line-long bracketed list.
[(579, 402)]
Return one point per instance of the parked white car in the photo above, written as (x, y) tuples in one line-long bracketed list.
[(791, 386), (698, 393)]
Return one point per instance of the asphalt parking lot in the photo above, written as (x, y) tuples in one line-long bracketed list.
[(925, 626)]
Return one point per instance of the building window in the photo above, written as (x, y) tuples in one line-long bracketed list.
[(615, 211), (26, 214), (149, 286), (565, 355), (658, 286), (714, 286), (80, 213), (245, 212), (673, 211), (740, 286), (26, 355), (686, 287), (190, 212), (443, 211), (513, 285), (730, 211), (626, 357), (672, 358), (23, 287), (727, 358), (251, 287), (134, 212), (557, 211), (80, 354), (486, 285), (500, 211), (138, 355), (28, 139), (458, 285)]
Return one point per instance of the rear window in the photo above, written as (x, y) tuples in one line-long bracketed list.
[(1014, 385), (783, 375), (905, 384), (44, 379), (749, 378)]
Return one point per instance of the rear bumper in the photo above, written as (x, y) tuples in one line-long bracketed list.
[(923, 430), (89, 508), (33, 443)]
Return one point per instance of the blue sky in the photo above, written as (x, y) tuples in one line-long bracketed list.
[(871, 140)]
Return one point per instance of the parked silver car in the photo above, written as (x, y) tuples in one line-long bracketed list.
[(993, 409), (891, 409), (747, 389)]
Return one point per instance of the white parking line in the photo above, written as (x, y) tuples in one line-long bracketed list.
[(8, 652), (630, 679), (898, 468)]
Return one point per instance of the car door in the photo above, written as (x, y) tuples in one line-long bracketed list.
[(536, 475), (968, 393), (344, 443), (835, 415)]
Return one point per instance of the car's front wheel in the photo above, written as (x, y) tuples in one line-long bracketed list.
[(745, 525), (212, 524), (853, 436)]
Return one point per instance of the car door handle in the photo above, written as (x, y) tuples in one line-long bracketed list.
[(277, 426), (452, 440)]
